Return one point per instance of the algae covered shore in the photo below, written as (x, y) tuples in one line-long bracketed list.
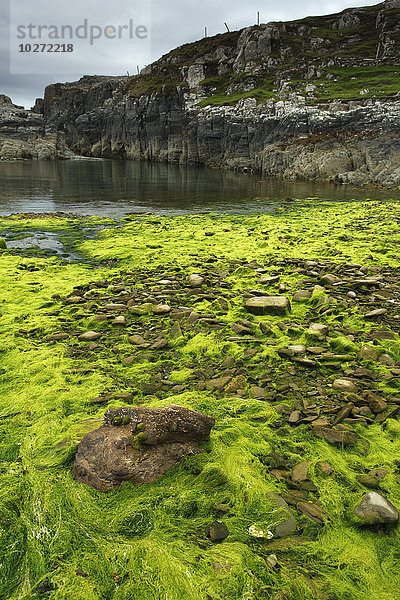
[(283, 423)]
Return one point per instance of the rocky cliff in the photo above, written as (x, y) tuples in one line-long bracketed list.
[(22, 134), (317, 98)]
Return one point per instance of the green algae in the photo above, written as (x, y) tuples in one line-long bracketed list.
[(60, 539)]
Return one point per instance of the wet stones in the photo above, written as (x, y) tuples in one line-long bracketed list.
[(268, 305), (319, 329), (302, 295)]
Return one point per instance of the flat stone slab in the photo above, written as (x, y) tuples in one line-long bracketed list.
[(268, 305)]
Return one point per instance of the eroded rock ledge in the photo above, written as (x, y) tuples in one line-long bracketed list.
[(139, 444)]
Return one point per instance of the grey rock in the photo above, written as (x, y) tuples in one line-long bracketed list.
[(288, 525), (375, 508), (268, 305)]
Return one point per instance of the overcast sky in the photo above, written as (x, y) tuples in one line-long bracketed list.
[(172, 23)]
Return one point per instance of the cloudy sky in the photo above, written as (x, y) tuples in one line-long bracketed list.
[(117, 46)]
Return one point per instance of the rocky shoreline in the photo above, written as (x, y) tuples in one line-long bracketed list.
[(314, 99)]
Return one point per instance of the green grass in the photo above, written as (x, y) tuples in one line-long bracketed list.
[(62, 540)]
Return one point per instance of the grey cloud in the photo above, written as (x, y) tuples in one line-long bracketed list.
[(173, 23)]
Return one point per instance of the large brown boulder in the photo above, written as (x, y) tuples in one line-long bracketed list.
[(139, 444)]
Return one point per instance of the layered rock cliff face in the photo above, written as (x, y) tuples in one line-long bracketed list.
[(317, 98), (22, 134)]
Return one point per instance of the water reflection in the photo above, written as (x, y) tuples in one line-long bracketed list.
[(113, 188)]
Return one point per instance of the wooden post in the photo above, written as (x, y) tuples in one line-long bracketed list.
[(227, 28), (205, 31), (258, 17)]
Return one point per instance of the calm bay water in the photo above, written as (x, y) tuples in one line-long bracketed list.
[(114, 188)]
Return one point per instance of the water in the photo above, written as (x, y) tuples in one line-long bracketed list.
[(114, 188)]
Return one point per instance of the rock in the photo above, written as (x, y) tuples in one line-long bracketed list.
[(302, 295), (386, 359), (319, 328), (89, 336), (382, 334), (176, 331), (139, 444), (195, 280), (272, 561), (193, 317), (298, 349), (368, 353), (258, 393), (374, 314), (57, 337), (217, 531), (336, 436), (314, 512), (159, 344), (379, 474), (375, 402), (288, 525), (329, 279), (324, 467), (265, 329), (374, 509), (118, 307), (344, 385), (161, 309), (269, 280), (119, 320), (235, 384), (260, 531), (218, 383), (343, 413), (268, 305), (368, 481), (294, 417), (241, 330), (300, 472), (138, 340)]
